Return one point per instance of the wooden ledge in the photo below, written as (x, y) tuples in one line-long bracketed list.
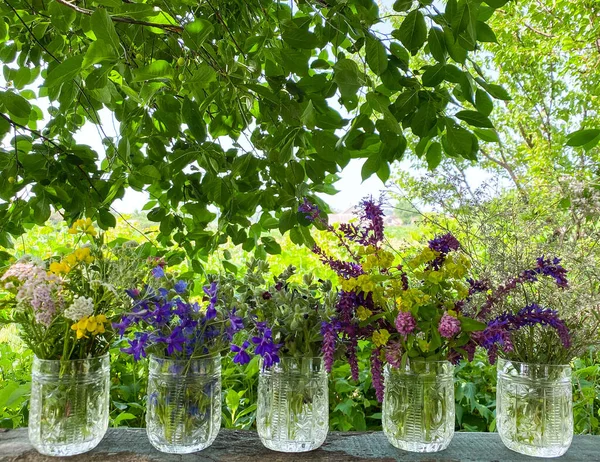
[(131, 445)]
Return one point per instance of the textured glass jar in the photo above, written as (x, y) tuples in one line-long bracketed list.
[(184, 404), (68, 409), (418, 406), (534, 408), (293, 405)]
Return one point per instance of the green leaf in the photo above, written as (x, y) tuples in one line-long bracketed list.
[(495, 90), (434, 155), (376, 55), (475, 118), (299, 38), (98, 52), (497, 3), (106, 219), (413, 31), (160, 69), (14, 103), (483, 102), (437, 44), (346, 76), (402, 5), (271, 245), (434, 75), (195, 33), (67, 70), (61, 16), (583, 137), (372, 165), (471, 325), (460, 140), (192, 117), (485, 33), (104, 29), (487, 134), (424, 119)]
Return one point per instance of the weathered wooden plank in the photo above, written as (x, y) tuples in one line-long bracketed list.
[(131, 445)]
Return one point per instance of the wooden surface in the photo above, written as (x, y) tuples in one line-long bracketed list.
[(131, 445)]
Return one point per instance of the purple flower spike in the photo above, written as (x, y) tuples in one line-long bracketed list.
[(377, 374), (329, 332), (444, 244), (312, 211)]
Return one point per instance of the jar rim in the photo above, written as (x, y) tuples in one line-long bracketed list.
[(71, 361), (504, 360), (187, 360)]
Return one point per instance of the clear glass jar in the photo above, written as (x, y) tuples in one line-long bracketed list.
[(184, 404), (418, 405), (534, 408), (68, 409), (293, 405)]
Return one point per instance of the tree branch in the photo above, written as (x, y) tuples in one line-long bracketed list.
[(537, 31), (513, 176), (169, 27)]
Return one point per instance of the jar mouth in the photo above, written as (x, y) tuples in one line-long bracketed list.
[(156, 358), (72, 361), (520, 363)]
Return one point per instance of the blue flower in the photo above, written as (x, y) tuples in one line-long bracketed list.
[(122, 326), (312, 211), (136, 347), (211, 291), (158, 272), (235, 324), (242, 356), (180, 287), (266, 348)]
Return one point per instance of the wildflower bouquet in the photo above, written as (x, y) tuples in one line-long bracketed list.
[(285, 319), (408, 306), (64, 305), (524, 319), (288, 328), (184, 336)]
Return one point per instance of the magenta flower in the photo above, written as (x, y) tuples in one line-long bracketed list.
[(449, 326), (377, 374), (328, 330), (405, 323)]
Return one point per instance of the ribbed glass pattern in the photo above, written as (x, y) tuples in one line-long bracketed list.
[(293, 405), (68, 410), (184, 404), (534, 408), (418, 406)]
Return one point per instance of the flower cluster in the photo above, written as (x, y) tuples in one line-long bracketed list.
[(93, 325), (167, 324), (80, 308), (504, 333), (66, 264), (410, 309), (85, 226), (285, 318)]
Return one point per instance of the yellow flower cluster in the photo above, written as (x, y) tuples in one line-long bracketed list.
[(85, 226), (412, 298), (90, 324), (363, 313), (83, 254), (364, 283), (377, 259), (425, 256), (381, 337)]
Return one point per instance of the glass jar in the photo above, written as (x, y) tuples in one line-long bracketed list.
[(184, 404), (418, 405), (534, 408), (293, 405), (68, 409)]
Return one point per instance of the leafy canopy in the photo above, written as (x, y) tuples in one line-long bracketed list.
[(243, 105)]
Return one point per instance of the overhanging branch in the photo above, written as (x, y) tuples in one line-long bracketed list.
[(169, 27)]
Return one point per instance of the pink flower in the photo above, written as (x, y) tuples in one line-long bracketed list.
[(449, 326), (405, 323)]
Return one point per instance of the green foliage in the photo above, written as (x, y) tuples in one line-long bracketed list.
[(234, 104)]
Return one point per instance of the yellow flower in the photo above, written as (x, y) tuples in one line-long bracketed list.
[(70, 260), (363, 313), (83, 254), (90, 324), (59, 268), (83, 225), (381, 337)]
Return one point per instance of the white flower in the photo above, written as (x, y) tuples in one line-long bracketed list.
[(80, 308)]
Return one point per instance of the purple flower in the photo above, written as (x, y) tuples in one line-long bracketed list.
[(180, 287), (342, 268), (553, 269), (136, 347), (477, 286), (393, 354), (174, 342), (329, 333), (133, 293), (122, 326), (242, 356), (158, 272), (405, 323), (449, 326), (444, 244), (535, 314), (267, 296), (371, 213), (235, 324), (211, 291), (312, 211), (162, 314), (266, 348), (377, 374), (351, 349)]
